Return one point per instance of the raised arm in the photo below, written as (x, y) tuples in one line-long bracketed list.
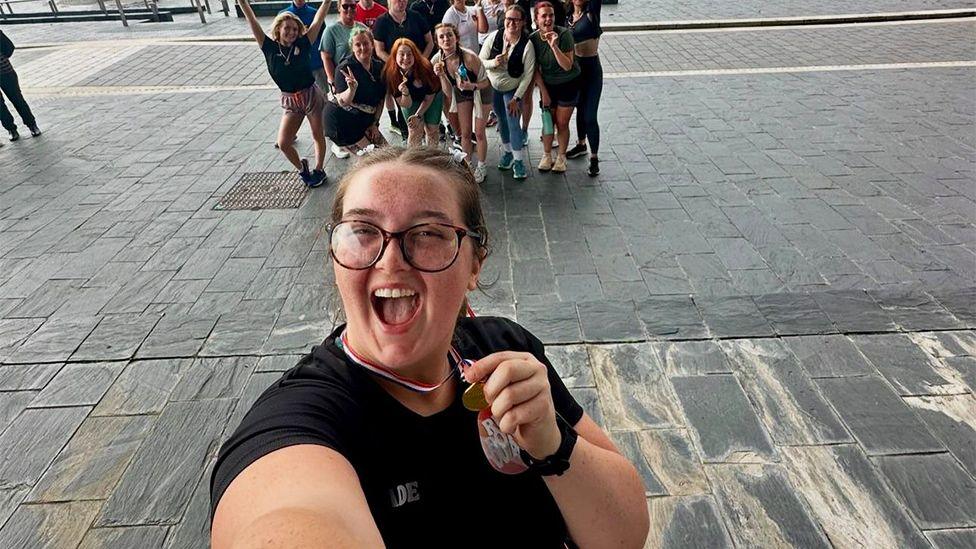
[(313, 30), (300, 496), (481, 18), (252, 21), (428, 44)]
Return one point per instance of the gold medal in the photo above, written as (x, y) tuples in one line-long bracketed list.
[(474, 397)]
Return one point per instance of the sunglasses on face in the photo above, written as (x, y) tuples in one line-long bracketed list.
[(348, 7)]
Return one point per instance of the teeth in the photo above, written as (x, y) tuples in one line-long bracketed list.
[(393, 292)]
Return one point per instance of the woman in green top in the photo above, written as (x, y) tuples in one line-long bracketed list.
[(557, 77)]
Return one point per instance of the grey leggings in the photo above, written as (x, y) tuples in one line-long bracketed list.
[(591, 89)]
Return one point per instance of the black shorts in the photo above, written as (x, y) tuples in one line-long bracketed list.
[(565, 94), (346, 126)]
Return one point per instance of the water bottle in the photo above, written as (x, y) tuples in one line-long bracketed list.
[(547, 126), (463, 72)]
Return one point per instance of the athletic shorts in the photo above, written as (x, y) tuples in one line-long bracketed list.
[(303, 102), (565, 94)]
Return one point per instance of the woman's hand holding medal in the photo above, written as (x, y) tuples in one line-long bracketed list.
[(516, 387)]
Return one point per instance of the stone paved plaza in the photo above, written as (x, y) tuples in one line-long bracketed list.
[(768, 297)]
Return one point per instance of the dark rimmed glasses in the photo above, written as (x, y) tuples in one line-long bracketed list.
[(347, 7), (427, 247)]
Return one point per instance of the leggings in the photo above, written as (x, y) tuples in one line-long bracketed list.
[(510, 127), (591, 89)]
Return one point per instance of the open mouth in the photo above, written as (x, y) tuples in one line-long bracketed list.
[(395, 306)]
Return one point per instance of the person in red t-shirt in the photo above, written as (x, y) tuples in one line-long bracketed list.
[(367, 11)]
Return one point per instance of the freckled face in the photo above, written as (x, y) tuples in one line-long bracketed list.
[(394, 196)]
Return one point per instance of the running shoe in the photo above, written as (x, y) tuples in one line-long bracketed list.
[(35, 131), (505, 162), (546, 163), (594, 169), (305, 174), (14, 136), (339, 152), (318, 178), (577, 151), (560, 165), (518, 170), (480, 172), (492, 120)]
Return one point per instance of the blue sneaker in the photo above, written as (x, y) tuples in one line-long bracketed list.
[(525, 139), (518, 170), (505, 162), (318, 178), (305, 174)]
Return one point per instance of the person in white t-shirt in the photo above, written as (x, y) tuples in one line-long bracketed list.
[(466, 21)]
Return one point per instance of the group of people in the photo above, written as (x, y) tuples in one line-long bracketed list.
[(476, 66)]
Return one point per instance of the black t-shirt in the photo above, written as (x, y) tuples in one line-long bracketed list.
[(414, 27), (431, 10), (372, 86), (289, 65), (426, 479), (418, 91)]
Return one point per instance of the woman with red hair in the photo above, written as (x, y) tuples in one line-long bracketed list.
[(410, 79)]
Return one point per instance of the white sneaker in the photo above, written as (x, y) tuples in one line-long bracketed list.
[(545, 164), (480, 173), (339, 152), (366, 150)]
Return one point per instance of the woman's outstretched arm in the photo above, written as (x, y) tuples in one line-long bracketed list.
[(252, 21), (313, 30)]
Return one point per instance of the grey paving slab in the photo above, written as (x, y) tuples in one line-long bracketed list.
[(81, 384), (589, 400), (829, 356), (552, 323), (144, 387), (934, 488), (788, 402), (952, 419), (848, 499), (212, 378), (633, 388), (116, 338), (733, 316), (956, 538), (296, 334), (52, 525), (725, 426), (277, 363), (10, 498), (55, 340), (157, 485), (239, 333), (670, 454), (689, 521), (693, 358), (132, 536), (671, 317), (93, 460), (177, 336), (12, 403), (14, 331), (628, 442), (194, 530), (962, 369), (877, 417), (17, 377), (24, 456), (854, 311), (791, 314), (139, 292), (914, 310), (905, 366), (960, 301), (572, 363), (605, 321), (762, 507)]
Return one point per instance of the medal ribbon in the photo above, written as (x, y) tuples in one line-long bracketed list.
[(381, 371)]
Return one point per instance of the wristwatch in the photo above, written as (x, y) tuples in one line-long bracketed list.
[(557, 463)]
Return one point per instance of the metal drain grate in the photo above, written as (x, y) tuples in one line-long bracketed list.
[(265, 191)]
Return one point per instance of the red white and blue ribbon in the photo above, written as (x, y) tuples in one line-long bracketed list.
[(382, 371)]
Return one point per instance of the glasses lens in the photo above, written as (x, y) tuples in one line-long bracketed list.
[(355, 244), (431, 247), (513, 20), (348, 7)]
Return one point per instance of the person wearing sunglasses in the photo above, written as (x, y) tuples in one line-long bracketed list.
[(335, 49), (509, 59), (374, 438)]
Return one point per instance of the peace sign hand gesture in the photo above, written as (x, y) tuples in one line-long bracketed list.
[(350, 77)]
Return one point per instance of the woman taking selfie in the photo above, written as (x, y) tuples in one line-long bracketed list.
[(409, 426), (286, 52), (359, 93), (410, 79)]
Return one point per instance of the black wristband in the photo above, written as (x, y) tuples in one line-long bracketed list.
[(557, 463)]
